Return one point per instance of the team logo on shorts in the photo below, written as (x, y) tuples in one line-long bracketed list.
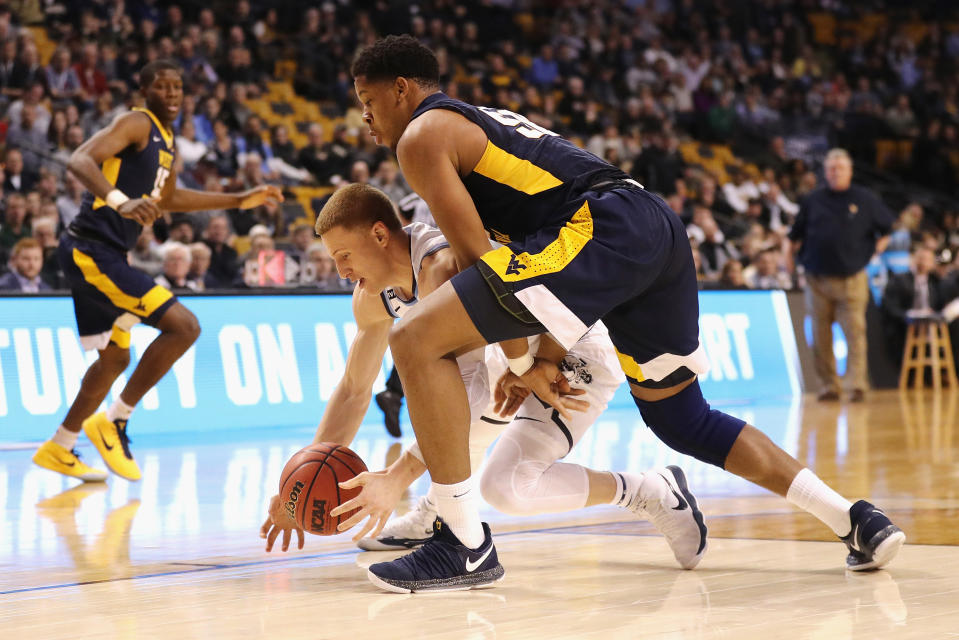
[(514, 266), (576, 370)]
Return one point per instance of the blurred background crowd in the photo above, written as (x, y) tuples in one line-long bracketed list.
[(725, 108)]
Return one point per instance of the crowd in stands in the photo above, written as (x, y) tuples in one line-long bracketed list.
[(723, 108)]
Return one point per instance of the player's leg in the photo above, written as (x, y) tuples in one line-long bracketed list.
[(524, 474), (461, 555)]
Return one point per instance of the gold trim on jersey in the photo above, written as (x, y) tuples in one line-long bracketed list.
[(166, 133), (111, 171), (554, 257), (522, 175), (629, 366), (143, 306)]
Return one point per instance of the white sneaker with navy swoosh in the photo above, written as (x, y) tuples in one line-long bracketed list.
[(408, 531), (665, 499), (442, 564)]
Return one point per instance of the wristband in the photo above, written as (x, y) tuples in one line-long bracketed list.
[(522, 364), (115, 198)]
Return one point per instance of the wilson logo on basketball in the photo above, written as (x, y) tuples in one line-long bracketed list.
[(294, 496), (317, 522)]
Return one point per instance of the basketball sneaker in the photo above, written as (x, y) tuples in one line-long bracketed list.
[(52, 456), (665, 500), (110, 439), (873, 541), (408, 531), (389, 403), (443, 563)]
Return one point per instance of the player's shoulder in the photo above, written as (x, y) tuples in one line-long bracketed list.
[(435, 128)]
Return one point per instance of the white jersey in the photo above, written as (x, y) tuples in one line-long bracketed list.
[(424, 241)]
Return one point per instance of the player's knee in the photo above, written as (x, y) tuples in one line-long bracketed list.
[(514, 491), (686, 423), (115, 361), (406, 342)]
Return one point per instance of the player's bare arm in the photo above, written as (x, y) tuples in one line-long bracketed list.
[(183, 200), (128, 129)]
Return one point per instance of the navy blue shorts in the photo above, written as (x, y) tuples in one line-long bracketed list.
[(623, 258), (109, 296)]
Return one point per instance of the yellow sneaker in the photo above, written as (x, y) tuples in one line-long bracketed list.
[(52, 456), (110, 439)]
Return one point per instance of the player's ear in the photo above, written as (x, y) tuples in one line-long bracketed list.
[(401, 86)]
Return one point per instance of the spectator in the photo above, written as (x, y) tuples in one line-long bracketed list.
[(301, 238), (319, 271), (224, 267), (544, 71), (767, 272), (189, 148), (917, 292), (15, 226), (315, 157), (101, 115), (26, 262), (31, 141), (176, 268), (223, 153), (732, 276), (200, 255), (146, 254), (68, 204), (181, 230), (838, 230), (92, 81), (34, 97), (45, 233), (62, 81), (389, 180), (660, 164)]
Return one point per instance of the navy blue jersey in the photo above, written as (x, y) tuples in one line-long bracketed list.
[(529, 177), (138, 174)]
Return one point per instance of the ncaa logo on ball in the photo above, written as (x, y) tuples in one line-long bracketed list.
[(319, 515)]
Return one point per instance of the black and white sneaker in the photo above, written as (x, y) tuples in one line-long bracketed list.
[(442, 564), (408, 531), (663, 497), (390, 403), (874, 540)]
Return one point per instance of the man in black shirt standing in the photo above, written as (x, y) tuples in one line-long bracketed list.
[(837, 231)]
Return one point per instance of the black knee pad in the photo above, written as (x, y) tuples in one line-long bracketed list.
[(687, 424)]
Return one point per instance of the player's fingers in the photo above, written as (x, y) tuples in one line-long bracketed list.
[(573, 392), (299, 538), (575, 405), (353, 520), (286, 539), (355, 481), (349, 505), (271, 537), (366, 529), (266, 527)]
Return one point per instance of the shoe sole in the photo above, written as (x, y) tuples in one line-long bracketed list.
[(884, 553), (376, 545), (679, 477), (386, 586), (85, 477)]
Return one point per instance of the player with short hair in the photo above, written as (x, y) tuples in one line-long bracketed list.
[(128, 170), (583, 242), (394, 268)]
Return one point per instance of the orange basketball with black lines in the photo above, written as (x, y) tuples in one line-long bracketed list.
[(309, 486)]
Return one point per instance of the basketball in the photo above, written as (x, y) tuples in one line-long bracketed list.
[(309, 486)]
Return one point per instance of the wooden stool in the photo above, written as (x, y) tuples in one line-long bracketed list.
[(928, 344)]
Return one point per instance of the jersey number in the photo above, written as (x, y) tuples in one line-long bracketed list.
[(515, 121), (162, 174)]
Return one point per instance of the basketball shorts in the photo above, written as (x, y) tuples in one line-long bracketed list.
[(109, 296), (623, 258)]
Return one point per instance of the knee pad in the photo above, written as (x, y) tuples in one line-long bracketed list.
[(687, 424)]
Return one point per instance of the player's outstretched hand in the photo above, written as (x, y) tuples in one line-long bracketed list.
[(509, 393), (143, 210), (376, 499), (258, 195), (546, 380), (280, 521)]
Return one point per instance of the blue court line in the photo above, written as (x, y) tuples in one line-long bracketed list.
[(567, 529)]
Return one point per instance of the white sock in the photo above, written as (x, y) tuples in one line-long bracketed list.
[(65, 438), (628, 488), (811, 494), (457, 505), (119, 410)]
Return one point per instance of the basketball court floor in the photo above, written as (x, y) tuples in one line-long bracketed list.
[(178, 554)]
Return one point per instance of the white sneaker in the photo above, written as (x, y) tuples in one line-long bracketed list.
[(665, 500), (410, 530)]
